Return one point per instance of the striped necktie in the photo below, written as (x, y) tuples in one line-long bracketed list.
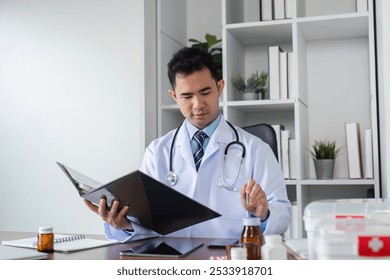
[(199, 138)]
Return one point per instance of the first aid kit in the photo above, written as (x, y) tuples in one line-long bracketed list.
[(352, 239), (344, 219)]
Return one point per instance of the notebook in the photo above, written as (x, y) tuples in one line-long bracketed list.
[(12, 253), (152, 204), (62, 243)]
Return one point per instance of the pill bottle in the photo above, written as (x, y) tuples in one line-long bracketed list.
[(45, 239), (252, 238), (273, 248), (238, 253), (251, 233)]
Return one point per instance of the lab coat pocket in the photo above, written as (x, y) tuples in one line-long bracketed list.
[(228, 198)]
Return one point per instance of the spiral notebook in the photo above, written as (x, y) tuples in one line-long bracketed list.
[(62, 243)]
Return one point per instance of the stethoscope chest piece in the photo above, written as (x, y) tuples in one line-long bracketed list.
[(171, 178)]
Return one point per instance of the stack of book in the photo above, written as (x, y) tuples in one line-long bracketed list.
[(356, 162), (275, 9), (280, 69), (286, 151)]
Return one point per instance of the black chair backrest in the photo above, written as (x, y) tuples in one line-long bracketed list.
[(266, 133)]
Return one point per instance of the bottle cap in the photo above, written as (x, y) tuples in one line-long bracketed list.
[(238, 253), (45, 229), (254, 221), (273, 239)]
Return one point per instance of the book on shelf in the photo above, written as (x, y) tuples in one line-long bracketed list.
[(62, 243), (292, 231), (283, 82), (368, 163), (294, 220), (285, 136), (288, 8), (266, 10), (279, 11), (292, 158), (290, 75), (353, 150), (278, 128), (273, 72)]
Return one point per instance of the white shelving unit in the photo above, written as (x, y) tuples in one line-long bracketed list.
[(334, 83)]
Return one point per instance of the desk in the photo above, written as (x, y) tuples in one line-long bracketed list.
[(111, 252)]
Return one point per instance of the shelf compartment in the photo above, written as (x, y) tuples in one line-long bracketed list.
[(262, 33), (264, 106), (358, 182), (334, 27), (312, 8), (245, 113)]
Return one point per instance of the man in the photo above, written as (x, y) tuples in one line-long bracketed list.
[(257, 186)]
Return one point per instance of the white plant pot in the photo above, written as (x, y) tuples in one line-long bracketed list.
[(250, 96)]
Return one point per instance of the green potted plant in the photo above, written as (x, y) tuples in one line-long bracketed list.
[(209, 46), (324, 154), (253, 87)]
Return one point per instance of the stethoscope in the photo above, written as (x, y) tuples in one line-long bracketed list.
[(172, 176)]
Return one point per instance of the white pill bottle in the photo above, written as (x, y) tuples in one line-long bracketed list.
[(273, 248)]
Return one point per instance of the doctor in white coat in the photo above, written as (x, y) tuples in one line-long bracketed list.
[(226, 185)]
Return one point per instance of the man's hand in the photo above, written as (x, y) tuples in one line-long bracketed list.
[(113, 217), (254, 199)]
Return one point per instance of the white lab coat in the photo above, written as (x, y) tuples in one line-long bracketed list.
[(204, 185)]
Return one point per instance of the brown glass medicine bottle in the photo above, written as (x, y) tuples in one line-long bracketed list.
[(251, 232), (45, 239)]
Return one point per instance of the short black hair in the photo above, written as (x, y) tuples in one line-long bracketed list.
[(189, 60)]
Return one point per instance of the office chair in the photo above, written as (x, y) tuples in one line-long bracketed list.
[(266, 133)]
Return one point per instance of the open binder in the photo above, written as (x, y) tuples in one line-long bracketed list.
[(151, 204)]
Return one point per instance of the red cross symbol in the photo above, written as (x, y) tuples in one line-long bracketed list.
[(374, 246)]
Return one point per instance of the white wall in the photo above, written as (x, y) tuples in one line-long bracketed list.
[(202, 18), (71, 90), (383, 41), (150, 80)]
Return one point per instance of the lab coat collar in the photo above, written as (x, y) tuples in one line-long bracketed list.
[(183, 147), (223, 134)]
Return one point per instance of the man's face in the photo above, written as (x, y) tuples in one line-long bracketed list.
[(198, 95)]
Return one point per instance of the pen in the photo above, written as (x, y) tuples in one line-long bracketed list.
[(248, 214)]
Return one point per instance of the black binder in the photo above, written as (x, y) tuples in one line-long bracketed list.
[(151, 204)]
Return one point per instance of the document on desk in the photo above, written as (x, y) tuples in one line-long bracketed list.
[(299, 246), (11, 253), (62, 243), (152, 204)]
